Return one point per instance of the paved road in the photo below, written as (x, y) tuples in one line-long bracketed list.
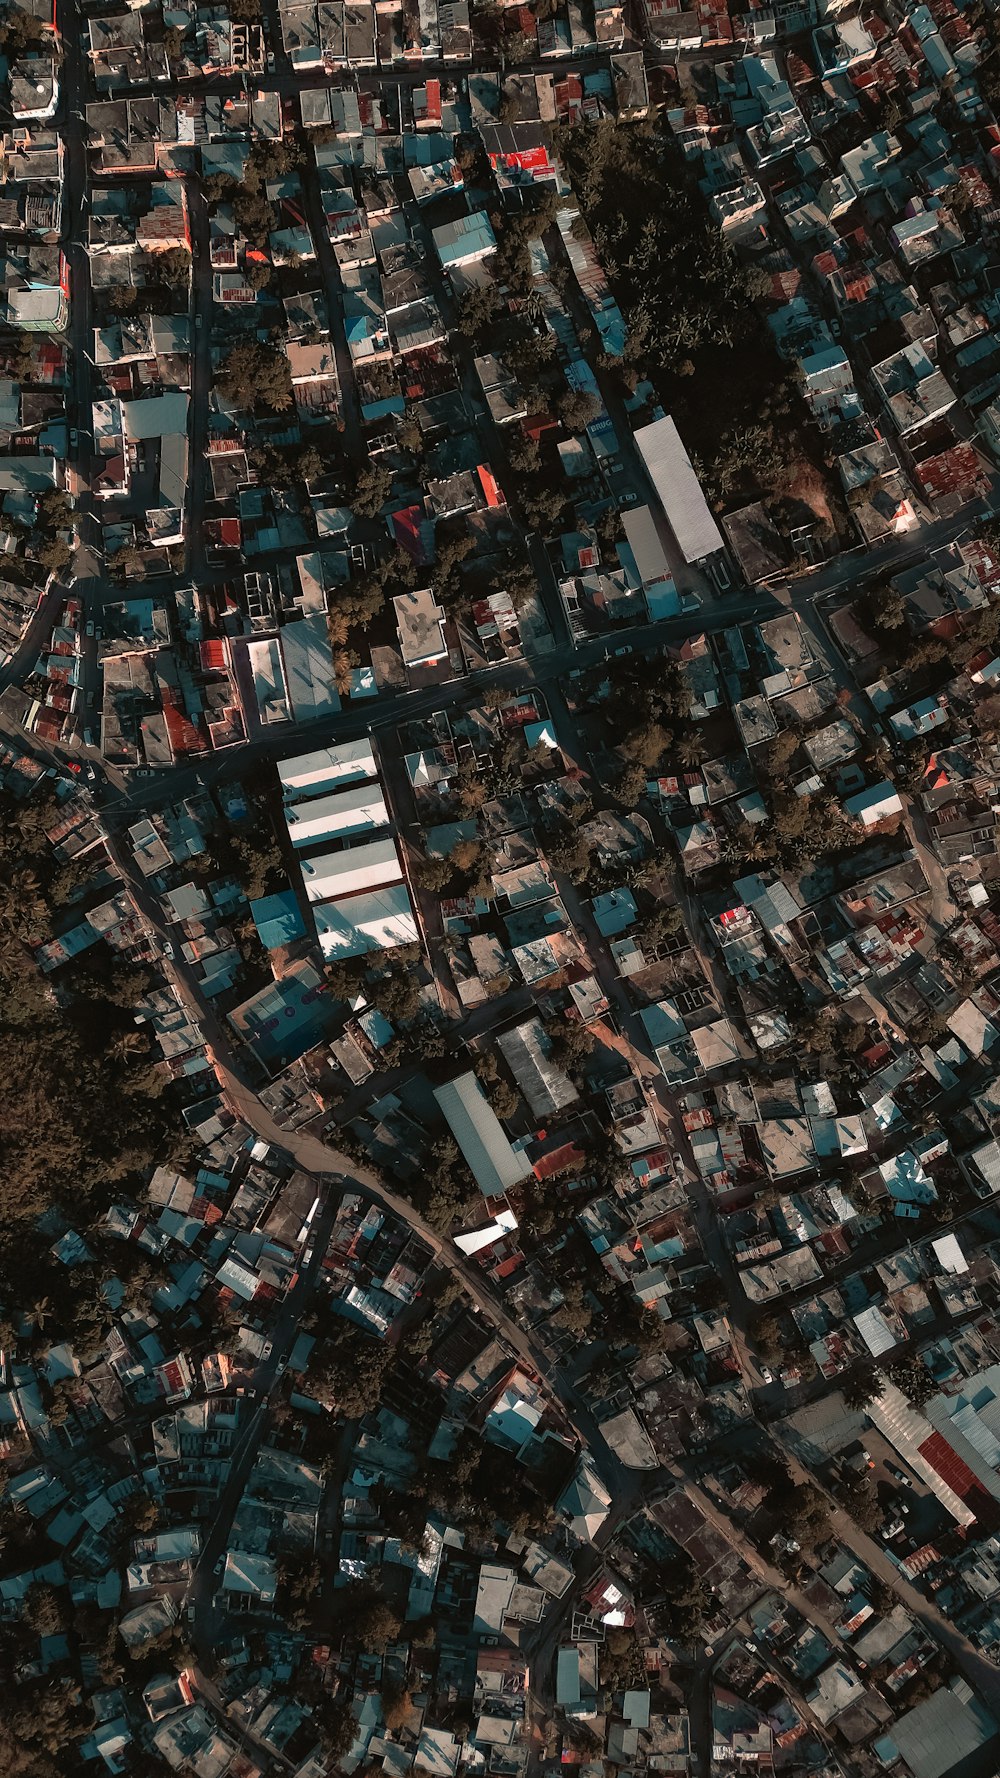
[(208, 1619), (629, 1488), (201, 378)]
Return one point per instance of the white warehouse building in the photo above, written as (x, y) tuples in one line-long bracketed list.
[(334, 874)]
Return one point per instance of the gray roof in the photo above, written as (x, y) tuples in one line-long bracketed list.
[(944, 1730), (478, 1132), (679, 491)]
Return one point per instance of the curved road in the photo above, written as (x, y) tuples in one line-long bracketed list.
[(630, 1488)]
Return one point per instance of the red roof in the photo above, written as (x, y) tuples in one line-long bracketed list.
[(570, 1154), (957, 1475), (490, 486)]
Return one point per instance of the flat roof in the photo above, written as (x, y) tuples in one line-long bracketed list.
[(309, 774), (333, 874), (357, 924), (339, 816)]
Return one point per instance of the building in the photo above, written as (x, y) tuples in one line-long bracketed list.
[(340, 816), (679, 491), (462, 242), (494, 1163), (333, 874), (420, 624), (331, 768)]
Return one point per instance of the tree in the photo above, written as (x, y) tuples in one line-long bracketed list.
[(882, 609), (479, 311), (371, 490), (396, 1706), (805, 1514), (348, 1374), (174, 266), (258, 273), (574, 1312), (663, 927), (862, 1385), (44, 1609), (55, 555), (631, 786), (55, 510), (911, 1376), (577, 408), (220, 187), (376, 1625), (686, 1600), (300, 1581), (433, 874), (861, 1500), (21, 32), (256, 376), (569, 1042)]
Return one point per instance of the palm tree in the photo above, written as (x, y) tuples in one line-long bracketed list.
[(40, 1313), (690, 749), (129, 1044)]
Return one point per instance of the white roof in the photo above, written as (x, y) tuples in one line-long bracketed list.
[(479, 1134), (340, 816), (875, 1331), (493, 1596), (249, 1573), (678, 489), (949, 1255), (477, 1239), (333, 874), (309, 774), (360, 923)]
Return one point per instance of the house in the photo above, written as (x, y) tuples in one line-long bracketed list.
[(877, 802), (465, 241), (420, 625)]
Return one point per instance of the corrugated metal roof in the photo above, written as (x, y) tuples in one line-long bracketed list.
[(875, 1331), (678, 489), (478, 1132)]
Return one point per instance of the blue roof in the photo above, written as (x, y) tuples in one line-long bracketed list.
[(277, 919)]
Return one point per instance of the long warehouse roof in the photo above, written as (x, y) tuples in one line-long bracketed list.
[(494, 1164), (678, 490)]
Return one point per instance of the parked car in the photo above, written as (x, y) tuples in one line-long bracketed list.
[(897, 1474)]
